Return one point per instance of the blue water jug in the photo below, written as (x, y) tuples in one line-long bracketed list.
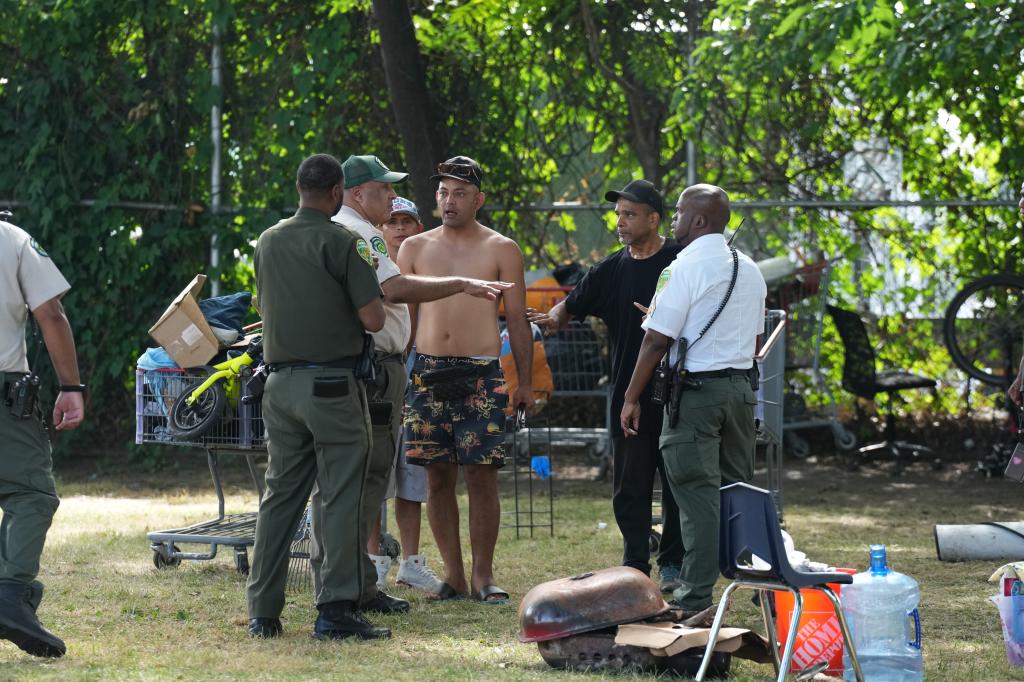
[(880, 608)]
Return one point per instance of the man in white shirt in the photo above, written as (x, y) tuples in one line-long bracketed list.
[(367, 203), (712, 443)]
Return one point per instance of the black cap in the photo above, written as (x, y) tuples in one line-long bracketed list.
[(642, 192), (461, 168)]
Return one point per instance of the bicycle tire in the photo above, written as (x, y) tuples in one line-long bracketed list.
[(191, 422), (983, 328)]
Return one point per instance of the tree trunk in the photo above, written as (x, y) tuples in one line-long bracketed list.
[(410, 100)]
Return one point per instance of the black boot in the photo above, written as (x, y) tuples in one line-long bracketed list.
[(19, 624), (385, 603), (338, 620), (264, 628)]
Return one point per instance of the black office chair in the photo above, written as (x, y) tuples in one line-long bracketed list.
[(750, 527), (861, 379)]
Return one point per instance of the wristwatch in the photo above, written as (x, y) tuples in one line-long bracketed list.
[(72, 388)]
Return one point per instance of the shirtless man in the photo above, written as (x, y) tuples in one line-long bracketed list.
[(461, 331)]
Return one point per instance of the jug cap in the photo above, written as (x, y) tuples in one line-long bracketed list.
[(878, 562)]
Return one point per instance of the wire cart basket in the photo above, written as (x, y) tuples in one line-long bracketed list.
[(529, 453), (239, 431), (580, 367), (770, 359), (804, 298)]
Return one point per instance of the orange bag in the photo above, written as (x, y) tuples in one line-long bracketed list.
[(543, 381)]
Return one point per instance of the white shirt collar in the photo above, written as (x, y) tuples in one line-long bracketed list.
[(705, 243), (348, 215)]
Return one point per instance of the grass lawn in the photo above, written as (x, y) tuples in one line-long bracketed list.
[(123, 619)]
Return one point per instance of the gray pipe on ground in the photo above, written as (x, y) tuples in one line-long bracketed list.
[(1002, 540)]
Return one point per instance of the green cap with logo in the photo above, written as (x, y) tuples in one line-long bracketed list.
[(368, 168)]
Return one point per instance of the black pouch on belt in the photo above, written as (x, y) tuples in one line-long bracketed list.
[(330, 387), (380, 413), (451, 383)]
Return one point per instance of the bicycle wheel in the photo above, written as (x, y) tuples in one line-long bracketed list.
[(190, 422), (984, 328)]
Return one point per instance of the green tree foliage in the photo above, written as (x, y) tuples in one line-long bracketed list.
[(558, 100)]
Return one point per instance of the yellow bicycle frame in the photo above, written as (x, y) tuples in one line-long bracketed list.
[(228, 371)]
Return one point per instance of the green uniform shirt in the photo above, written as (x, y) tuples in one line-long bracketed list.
[(312, 276)]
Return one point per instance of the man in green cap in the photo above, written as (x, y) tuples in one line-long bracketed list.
[(366, 204), (29, 283), (317, 293)]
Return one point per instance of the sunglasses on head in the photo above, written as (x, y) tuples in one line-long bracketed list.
[(461, 170)]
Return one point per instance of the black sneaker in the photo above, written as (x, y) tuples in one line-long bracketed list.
[(386, 604), (339, 620), (265, 628), (19, 624)]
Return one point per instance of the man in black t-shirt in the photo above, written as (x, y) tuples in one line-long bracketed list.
[(609, 291)]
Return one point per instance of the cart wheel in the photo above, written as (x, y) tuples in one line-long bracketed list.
[(242, 561), (654, 541), (846, 439), (164, 557), (389, 546)]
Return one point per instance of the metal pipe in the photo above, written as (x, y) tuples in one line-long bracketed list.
[(215, 137)]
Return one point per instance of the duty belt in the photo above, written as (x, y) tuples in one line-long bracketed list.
[(721, 373), (388, 357), (341, 363)]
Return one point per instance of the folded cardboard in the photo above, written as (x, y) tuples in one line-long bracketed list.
[(183, 331), (669, 639)]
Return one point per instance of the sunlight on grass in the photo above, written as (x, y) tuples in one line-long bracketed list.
[(123, 619)]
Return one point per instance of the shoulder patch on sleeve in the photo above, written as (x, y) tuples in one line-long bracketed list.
[(663, 279), (38, 249), (379, 246), (364, 251)]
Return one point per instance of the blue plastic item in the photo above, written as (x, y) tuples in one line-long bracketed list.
[(881, 608), (541, 466)]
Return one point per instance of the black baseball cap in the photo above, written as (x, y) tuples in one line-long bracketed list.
[(460, 168), (642, 192)]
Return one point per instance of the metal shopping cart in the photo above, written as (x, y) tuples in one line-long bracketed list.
[(803, 298), (239, 431), (770, 359)]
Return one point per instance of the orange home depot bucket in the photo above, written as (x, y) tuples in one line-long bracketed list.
[(818, 637)]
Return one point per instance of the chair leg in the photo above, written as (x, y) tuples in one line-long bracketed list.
[(769, 627), (794, 626), (716, 626), (847, 639)]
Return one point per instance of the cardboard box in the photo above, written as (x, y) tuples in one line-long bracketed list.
[(182, 330)]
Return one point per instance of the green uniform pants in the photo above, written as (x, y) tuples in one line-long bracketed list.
[(711, 446), (28, 495), (391, 380), (312, 439)]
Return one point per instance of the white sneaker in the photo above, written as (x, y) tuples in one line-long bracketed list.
[(383, 565), (414, 572)]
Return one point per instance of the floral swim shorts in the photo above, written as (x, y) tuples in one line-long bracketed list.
[(470, 430)]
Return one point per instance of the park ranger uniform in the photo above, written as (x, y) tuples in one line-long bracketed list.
[(387, 396), (311, 280), (713, 442), (28, 495)]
